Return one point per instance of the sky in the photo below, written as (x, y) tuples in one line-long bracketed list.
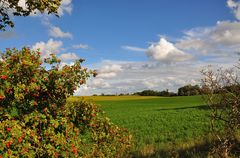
[(135, 45)]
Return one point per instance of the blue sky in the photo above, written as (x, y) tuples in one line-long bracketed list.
[(137, 44)]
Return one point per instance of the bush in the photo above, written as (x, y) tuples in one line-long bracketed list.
[(35, 120), (222, 94)]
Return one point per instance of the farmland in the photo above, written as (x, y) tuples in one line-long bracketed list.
[(158, 122)]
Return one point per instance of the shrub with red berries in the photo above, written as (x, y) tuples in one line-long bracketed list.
[(37, 121)]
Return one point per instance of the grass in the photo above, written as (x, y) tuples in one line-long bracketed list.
[(158, 123)]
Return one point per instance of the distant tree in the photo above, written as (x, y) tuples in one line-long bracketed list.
[(189, 90), (147, 93), (12, 7), (165, 93)]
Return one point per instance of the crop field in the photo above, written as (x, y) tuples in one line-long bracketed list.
[(158, 122)]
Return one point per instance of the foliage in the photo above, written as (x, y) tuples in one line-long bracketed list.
[(35, 120), (222, 89), (8, 7), (189, 90)]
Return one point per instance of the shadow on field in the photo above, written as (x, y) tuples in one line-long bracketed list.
[(200, 150), (200, 107), (197, 151)]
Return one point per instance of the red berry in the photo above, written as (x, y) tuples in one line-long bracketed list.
[(20, 139), (2, 97), (8, 144), (72, 147), (3, 77), (8, 129), (82, 81), (36, 95), (56, 154), (35, 103), (75, 151)]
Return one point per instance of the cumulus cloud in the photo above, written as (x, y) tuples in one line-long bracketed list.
[(227, 33), (49, 47), (166, 52), (58, 33), (221, 39), (100, 83), (132, 48), (109, 71), (94, 86), (83, 90), (80, 46), (135, 77), (107, 74), (68, 56), (235, 7), (167, 82)]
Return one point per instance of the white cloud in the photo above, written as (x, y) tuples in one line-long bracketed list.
[(109, 71), (106, 72), (100, 83), (62, 64), (80, 46), (83, 90), (135, 77), (132, 48), (49, 47), (166, 52), (66, 6), (68, 56), (195, 44), (221, 39), (58, 33), (191, 44), (227, 33), (235, 6)]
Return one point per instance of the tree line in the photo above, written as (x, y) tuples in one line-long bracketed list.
[(187, 90)]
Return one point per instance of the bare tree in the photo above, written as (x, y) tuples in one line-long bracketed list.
[(222, 94)]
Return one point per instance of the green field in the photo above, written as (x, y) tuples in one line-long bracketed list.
[(158, 122)]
